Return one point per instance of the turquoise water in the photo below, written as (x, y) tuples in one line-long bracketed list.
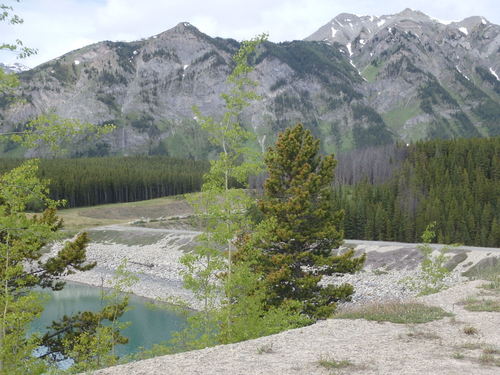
[(149, 326)]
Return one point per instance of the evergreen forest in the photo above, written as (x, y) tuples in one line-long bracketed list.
[(388, 193), (392, 193), (93, 181)]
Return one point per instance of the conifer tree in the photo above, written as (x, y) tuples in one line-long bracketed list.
[(302, 227)]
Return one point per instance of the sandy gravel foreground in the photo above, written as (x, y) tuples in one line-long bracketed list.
[(373, 348)]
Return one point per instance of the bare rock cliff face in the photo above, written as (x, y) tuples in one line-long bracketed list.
[(426, 77), (356, 82)]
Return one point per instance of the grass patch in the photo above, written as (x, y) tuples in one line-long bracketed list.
[(471, 331), (488, 272), (489, 355), (482, 305), (380, 272), (398, 116), (421, 335), (490, 349), (493, 286), (370, 73), (489, 360), (265, 349), (331, 364), (119, 213), (402, 313)]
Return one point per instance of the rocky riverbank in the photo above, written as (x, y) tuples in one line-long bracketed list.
[(157, 265), (439, 347)]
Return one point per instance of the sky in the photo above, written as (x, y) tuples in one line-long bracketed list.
[(55, 27)]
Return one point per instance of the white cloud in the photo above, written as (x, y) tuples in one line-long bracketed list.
[(58, 26)]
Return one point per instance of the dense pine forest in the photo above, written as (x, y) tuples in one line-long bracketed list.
[(93, 181), (393, 193), (389, 193)]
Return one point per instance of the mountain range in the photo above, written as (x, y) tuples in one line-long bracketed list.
[(358, 81)]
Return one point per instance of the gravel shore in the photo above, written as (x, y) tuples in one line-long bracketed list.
[(369, 347), (156, 265), (158, 269)]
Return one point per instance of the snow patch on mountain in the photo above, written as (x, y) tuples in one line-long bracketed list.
[(494, 73), (458, 69), (349, 48)]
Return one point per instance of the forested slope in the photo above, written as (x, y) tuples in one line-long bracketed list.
[(454, 182), (93, 181)]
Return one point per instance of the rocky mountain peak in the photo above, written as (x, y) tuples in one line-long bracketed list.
[(181, 30), (412, 14), (183, 27), (403, 76), (470, 24), (346, 28)]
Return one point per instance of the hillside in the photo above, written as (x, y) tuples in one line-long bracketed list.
[(356, 82)]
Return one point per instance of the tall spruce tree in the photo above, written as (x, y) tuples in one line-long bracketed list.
[(302, 227)]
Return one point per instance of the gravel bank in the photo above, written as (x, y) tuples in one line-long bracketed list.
[(158, 268), (157, 265), (370, 347), (439, 347)]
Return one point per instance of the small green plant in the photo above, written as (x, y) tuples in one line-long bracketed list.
[(489, 359), (432, 269), (458, 355), (404, 313), (330, 363), (491, 349), (471, 331), (483, 304), (265, 349)]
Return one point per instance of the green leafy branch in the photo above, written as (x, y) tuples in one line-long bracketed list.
[(54, 132)]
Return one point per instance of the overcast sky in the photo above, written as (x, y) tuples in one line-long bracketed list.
[(55, 27)]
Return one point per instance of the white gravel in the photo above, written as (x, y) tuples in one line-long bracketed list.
[(436, 348), (158, 268), (372, 348)]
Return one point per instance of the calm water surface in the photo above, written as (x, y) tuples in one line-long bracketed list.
[(149, 326)]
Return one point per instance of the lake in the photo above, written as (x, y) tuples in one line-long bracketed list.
[(149, 326)]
